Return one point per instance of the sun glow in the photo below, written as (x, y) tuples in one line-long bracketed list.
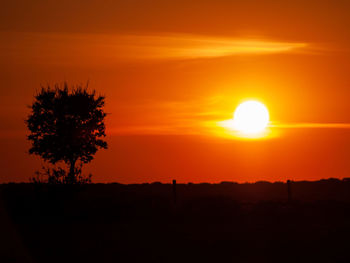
[(251, 117), (250, 120)]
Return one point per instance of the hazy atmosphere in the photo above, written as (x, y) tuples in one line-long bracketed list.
[(172, 71)]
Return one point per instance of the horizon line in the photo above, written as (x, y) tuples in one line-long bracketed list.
[(211, 183)]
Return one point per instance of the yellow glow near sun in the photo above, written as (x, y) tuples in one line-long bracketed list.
[(250, 120)]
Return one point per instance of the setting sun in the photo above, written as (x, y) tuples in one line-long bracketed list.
[(250, 120), (250, 117)]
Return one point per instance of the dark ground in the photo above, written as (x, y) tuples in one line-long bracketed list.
[(225, 222)]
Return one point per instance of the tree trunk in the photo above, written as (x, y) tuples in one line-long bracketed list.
[(71, 176)]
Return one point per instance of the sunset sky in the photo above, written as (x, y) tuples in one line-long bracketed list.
[(172, 70)]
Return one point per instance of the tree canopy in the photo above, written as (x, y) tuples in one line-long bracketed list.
[(67, 125)]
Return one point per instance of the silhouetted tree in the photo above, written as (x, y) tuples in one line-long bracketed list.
[(67, 125)]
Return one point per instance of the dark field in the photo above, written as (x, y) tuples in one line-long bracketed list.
[(225, 222)]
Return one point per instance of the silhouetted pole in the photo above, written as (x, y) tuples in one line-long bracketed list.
[(289, 189), (174, 190)]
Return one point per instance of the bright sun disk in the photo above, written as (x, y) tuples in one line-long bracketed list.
[(250, 117)]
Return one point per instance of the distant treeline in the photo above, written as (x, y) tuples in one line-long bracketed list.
[(325, 189)]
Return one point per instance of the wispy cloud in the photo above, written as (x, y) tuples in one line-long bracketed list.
[(198, 127), (169, 117), (330, 125), (191, 46), (111, 48)]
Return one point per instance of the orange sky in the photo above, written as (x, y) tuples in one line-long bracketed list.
[(170, 69)]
